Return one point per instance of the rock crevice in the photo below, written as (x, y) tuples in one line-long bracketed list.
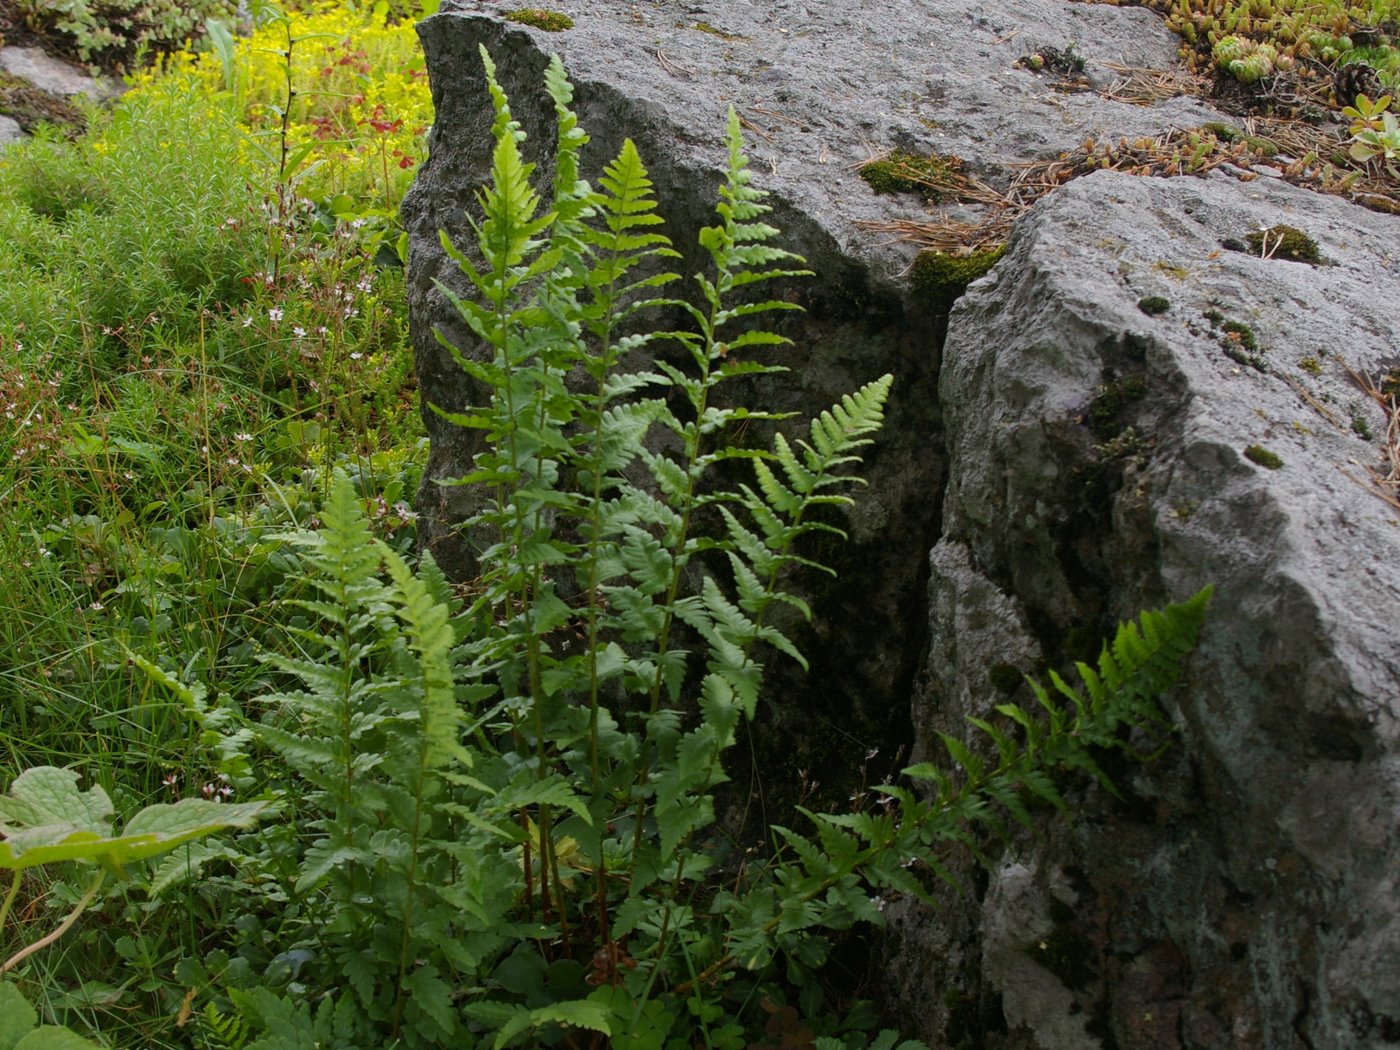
[(1127, 408)]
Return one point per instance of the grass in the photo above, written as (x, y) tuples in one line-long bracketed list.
[(199, 315)]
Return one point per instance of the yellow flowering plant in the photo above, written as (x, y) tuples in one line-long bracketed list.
[(344, 91)]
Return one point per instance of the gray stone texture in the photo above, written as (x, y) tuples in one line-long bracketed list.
[(1055, 460), (53, 75)]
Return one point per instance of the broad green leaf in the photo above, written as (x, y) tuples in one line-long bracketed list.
[(47, 819), (17, 1017), (52, 1037)]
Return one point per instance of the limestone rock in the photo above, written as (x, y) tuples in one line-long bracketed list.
[(9, 130), (1257, 884), (51, 74), (1064, 460)]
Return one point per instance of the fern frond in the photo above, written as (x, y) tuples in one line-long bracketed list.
[(430, 637)]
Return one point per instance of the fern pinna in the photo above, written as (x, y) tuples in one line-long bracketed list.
[(512, 835)]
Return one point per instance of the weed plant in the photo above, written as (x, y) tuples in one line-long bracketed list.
[(166, 405)]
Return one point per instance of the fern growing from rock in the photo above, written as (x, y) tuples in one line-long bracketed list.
[(510, 811)]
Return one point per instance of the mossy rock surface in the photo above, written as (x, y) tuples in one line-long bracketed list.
[(902, 172), (1284, 242), (29, 106), (541, 18), (942, 276)]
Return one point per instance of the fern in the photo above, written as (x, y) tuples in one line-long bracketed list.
[(511, 804), (858, 854)]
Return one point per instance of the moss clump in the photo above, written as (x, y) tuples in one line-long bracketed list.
[(539, 18), (1066, 61), (902, 172), (1106, 410), (1311, 365), (1260, 145), (1223, 132), (1262, 456), (1241, 335), (1238, 341), (943, 277), (1284, 242), (1361, 428), (1152, 305)]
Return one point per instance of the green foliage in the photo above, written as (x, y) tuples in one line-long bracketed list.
[(1284, 242), (20, 1028), (510, 807), (902, 172), (1375, 134), (498, 801), (1258, 454), (165, 411), (45, 819), (121, 29)]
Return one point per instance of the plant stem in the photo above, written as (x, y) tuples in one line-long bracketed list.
[(63, 927), (10, 897)]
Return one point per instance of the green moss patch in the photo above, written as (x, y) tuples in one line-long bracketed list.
[(1263, 457), (1152, 305), (705, 27), (1106, 411), (933, 177), (1284, 242), (943, 277), (1238, 341), (539, 18)]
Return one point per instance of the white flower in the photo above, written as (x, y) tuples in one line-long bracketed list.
[(247, 322), (275, 314), (243, 436), (356, 356), (299, 332)]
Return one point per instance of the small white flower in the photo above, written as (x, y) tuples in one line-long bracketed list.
[(96, 606), (243, 436), (299, 332), (247, 322), (274, 314), (356, 356)]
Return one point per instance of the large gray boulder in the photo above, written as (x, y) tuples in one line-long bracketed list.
[(1099, 462), (1062, 460)]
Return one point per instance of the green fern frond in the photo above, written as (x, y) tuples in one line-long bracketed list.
[(223, 1031), (430, 637)]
